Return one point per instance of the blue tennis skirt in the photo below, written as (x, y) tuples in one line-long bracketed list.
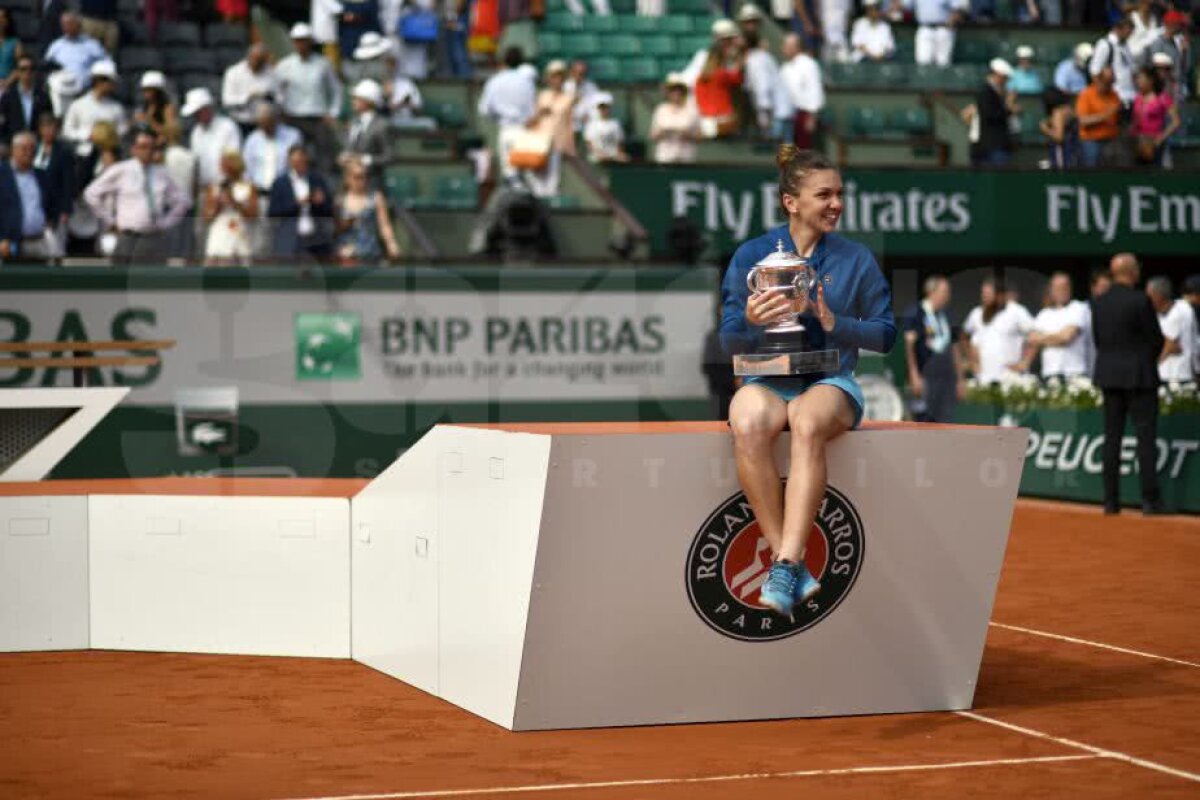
[(789, 388)]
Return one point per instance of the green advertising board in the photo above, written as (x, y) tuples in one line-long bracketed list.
[(944, 213), (1064, 457)]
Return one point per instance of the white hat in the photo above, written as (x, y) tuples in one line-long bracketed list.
[(1162, 60), (748, 12), (153, 80), (370, 91), (724, 29), (195, 100), (300, 31), (602, 99), (557, 65), (1024, 51), (1083, 51), (1000, 67), (675, 79), (371, 45), (870, 3), (104, 69)]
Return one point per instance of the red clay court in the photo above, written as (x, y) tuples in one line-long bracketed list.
[(1090, 687)]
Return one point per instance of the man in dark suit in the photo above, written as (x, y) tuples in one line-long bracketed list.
[(30, 206), (1128, 341), (56, 158), (23, 102), (301, 211), (994, 107)]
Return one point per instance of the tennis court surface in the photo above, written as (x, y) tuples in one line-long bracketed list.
[(1090, 688)]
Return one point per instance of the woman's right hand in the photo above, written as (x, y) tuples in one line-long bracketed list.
[(763, 308)]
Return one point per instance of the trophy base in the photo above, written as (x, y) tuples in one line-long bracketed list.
[(789, 363)]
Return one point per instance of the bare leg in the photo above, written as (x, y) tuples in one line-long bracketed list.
[(757, 416), (815, 417)]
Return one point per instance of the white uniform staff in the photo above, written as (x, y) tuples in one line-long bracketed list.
[(1062, 330), (996, 331), (1178, 323)]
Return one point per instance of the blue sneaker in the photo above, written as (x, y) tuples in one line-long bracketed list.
[(779, 592), (806, 585)]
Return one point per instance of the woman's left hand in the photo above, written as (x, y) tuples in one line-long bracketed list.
[(828, 320)]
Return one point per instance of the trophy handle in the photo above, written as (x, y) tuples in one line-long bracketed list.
[(752, 280)]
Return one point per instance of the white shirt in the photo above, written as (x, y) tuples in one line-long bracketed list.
[(180, 164), (762, 74), (674, 130), (210, 143), (1071, 358), (1110, 52), (241, 86), (266, 156), (604, 138), (323, 20), (300, 188), (1144, 32), (875, 38), (309, 86), (802, 77), (84, 113), (1000, 341), (508, 97), (1178, 324), (404, 89)]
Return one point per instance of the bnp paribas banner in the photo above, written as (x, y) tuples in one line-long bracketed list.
[(948, 212), (320, 374)]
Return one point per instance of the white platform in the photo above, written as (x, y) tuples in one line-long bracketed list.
[(43, 573), (539, 578), (243, 575)]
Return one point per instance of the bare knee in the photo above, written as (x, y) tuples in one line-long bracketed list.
[(753, 430)]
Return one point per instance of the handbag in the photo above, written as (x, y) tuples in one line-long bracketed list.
[(529, 150), (419, 27)]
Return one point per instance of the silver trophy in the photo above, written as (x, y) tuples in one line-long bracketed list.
[(786, 347)]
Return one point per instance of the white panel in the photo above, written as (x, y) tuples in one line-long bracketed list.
[(43, 573), (221, 574), (613, 638), (491, 489), (394, 551), (93, 405)]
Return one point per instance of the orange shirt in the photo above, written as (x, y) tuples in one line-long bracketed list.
[(1091, 101), (714, 94)]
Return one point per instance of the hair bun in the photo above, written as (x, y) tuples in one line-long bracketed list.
[(785, 154)]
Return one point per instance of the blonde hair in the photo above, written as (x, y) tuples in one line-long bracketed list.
[(796, 164), (234, 159), (104, 136)]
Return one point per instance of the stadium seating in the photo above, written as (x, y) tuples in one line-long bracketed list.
[(221, 35), (178, 34), (401, 189)]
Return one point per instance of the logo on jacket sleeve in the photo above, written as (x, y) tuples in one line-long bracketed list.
[(729, 559)]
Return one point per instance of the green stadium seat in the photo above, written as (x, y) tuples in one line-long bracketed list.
[(549, 43), (604, 69), (963, 77), (632, 23), (642, 70), (455, 192), (563, 202), (1030, 132), (448, 115), (693, 7), (622, 46), (692, 43), (889, 73), (867, 121), (974, 51), (595, 24), (658, 46), (827, 117), (930, 77), (401, 189), (678, 24), (912, 121), (623, 7), (906, 51), (580, 45), (838, 74), (563, 21)]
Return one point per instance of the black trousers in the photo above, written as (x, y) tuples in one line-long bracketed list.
[(143, 249), (1141, 405), (941, 388)]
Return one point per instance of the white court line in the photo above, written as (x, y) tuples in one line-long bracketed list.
[(1099, 752), (1100, 645), (811, 773)]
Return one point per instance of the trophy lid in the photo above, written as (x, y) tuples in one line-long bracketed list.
[(782, 259)]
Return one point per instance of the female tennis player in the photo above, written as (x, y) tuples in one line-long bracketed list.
[(852, 310)]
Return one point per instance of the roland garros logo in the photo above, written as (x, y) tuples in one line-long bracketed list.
[(729, 560)]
